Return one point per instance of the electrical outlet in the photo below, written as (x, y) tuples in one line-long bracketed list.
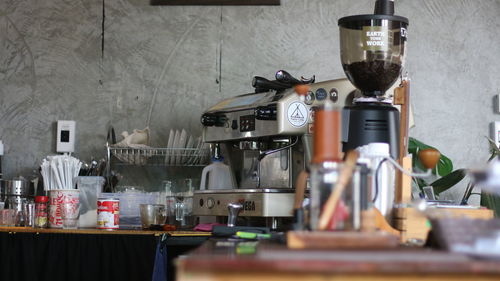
[(497, 103), (495, 132)]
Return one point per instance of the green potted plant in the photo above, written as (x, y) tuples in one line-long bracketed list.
[(445, 177), (488, 200)]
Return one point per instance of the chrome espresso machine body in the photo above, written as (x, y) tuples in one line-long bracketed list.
[(266, 140)]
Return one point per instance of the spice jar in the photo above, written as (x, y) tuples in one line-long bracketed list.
[(41, 211)]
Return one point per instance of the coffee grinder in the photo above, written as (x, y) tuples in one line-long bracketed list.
[(372, 49)]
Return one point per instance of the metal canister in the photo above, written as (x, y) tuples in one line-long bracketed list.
[(108, 213), (14, 191)]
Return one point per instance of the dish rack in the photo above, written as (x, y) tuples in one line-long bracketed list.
[(150, 156)]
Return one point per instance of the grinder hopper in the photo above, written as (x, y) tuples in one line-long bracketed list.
[(372, 48)]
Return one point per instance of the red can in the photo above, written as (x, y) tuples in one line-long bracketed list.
[(108, 213)]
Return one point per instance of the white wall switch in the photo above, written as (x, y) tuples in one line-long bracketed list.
[(495, 132), (65, 136), (497, 103)]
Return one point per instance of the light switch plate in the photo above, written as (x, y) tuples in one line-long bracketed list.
[(495, 132), (66, 130), (496, 104)]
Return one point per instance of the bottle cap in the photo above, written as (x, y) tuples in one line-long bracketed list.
[(41, 199), (217, 159)]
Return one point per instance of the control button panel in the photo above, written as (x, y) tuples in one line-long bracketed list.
[(309, 98), (210, 119), (210, 203), (247, 123), (269, 112), (234, 124), (334, 95), (321, 94)]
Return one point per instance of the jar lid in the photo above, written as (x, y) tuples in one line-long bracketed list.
[(41, 199), (357, 19)]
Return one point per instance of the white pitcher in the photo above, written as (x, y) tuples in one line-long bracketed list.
[(219, 176)]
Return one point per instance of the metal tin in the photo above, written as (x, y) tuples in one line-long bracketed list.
[(17, 187), (108, 213)]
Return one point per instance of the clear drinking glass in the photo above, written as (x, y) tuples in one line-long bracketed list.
[(29, 214), (8, 217), (184, 205), (18, 204), (70, 213), (153, 216), (184, 211)]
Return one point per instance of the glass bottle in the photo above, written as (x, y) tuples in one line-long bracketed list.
[(41, 211)]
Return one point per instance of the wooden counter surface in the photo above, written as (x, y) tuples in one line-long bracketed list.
[(275, 262), (101, 231)]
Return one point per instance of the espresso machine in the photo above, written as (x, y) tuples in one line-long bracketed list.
[(373, 49), (266, 139)]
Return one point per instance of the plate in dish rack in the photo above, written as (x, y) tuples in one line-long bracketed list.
[(169, 145)]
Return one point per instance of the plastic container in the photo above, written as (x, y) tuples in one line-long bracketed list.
[(219, 176), (130, 216), (90, 189)]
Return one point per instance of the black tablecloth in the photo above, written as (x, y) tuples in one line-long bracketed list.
[(49, 256), (30, 256)]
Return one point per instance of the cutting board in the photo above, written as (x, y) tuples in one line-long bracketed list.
[(341, 240)]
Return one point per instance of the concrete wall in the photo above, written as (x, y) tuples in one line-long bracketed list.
[(161, 66)]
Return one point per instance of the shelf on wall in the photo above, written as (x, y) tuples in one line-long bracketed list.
[(216, 2)]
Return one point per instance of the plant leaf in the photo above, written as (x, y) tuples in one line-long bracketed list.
[(468, 192), (444, 166), (448, 181), (491, 202), (494, 149)]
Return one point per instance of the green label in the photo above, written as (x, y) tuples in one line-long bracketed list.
[(376, 38)]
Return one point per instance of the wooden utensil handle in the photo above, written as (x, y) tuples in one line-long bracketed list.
[(300, 189)]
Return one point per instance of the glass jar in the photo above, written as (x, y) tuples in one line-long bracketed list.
[(323, 178), (41, 211), (353, 200)]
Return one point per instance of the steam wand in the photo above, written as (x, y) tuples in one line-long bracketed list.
[(429, 158), (267, 152)]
